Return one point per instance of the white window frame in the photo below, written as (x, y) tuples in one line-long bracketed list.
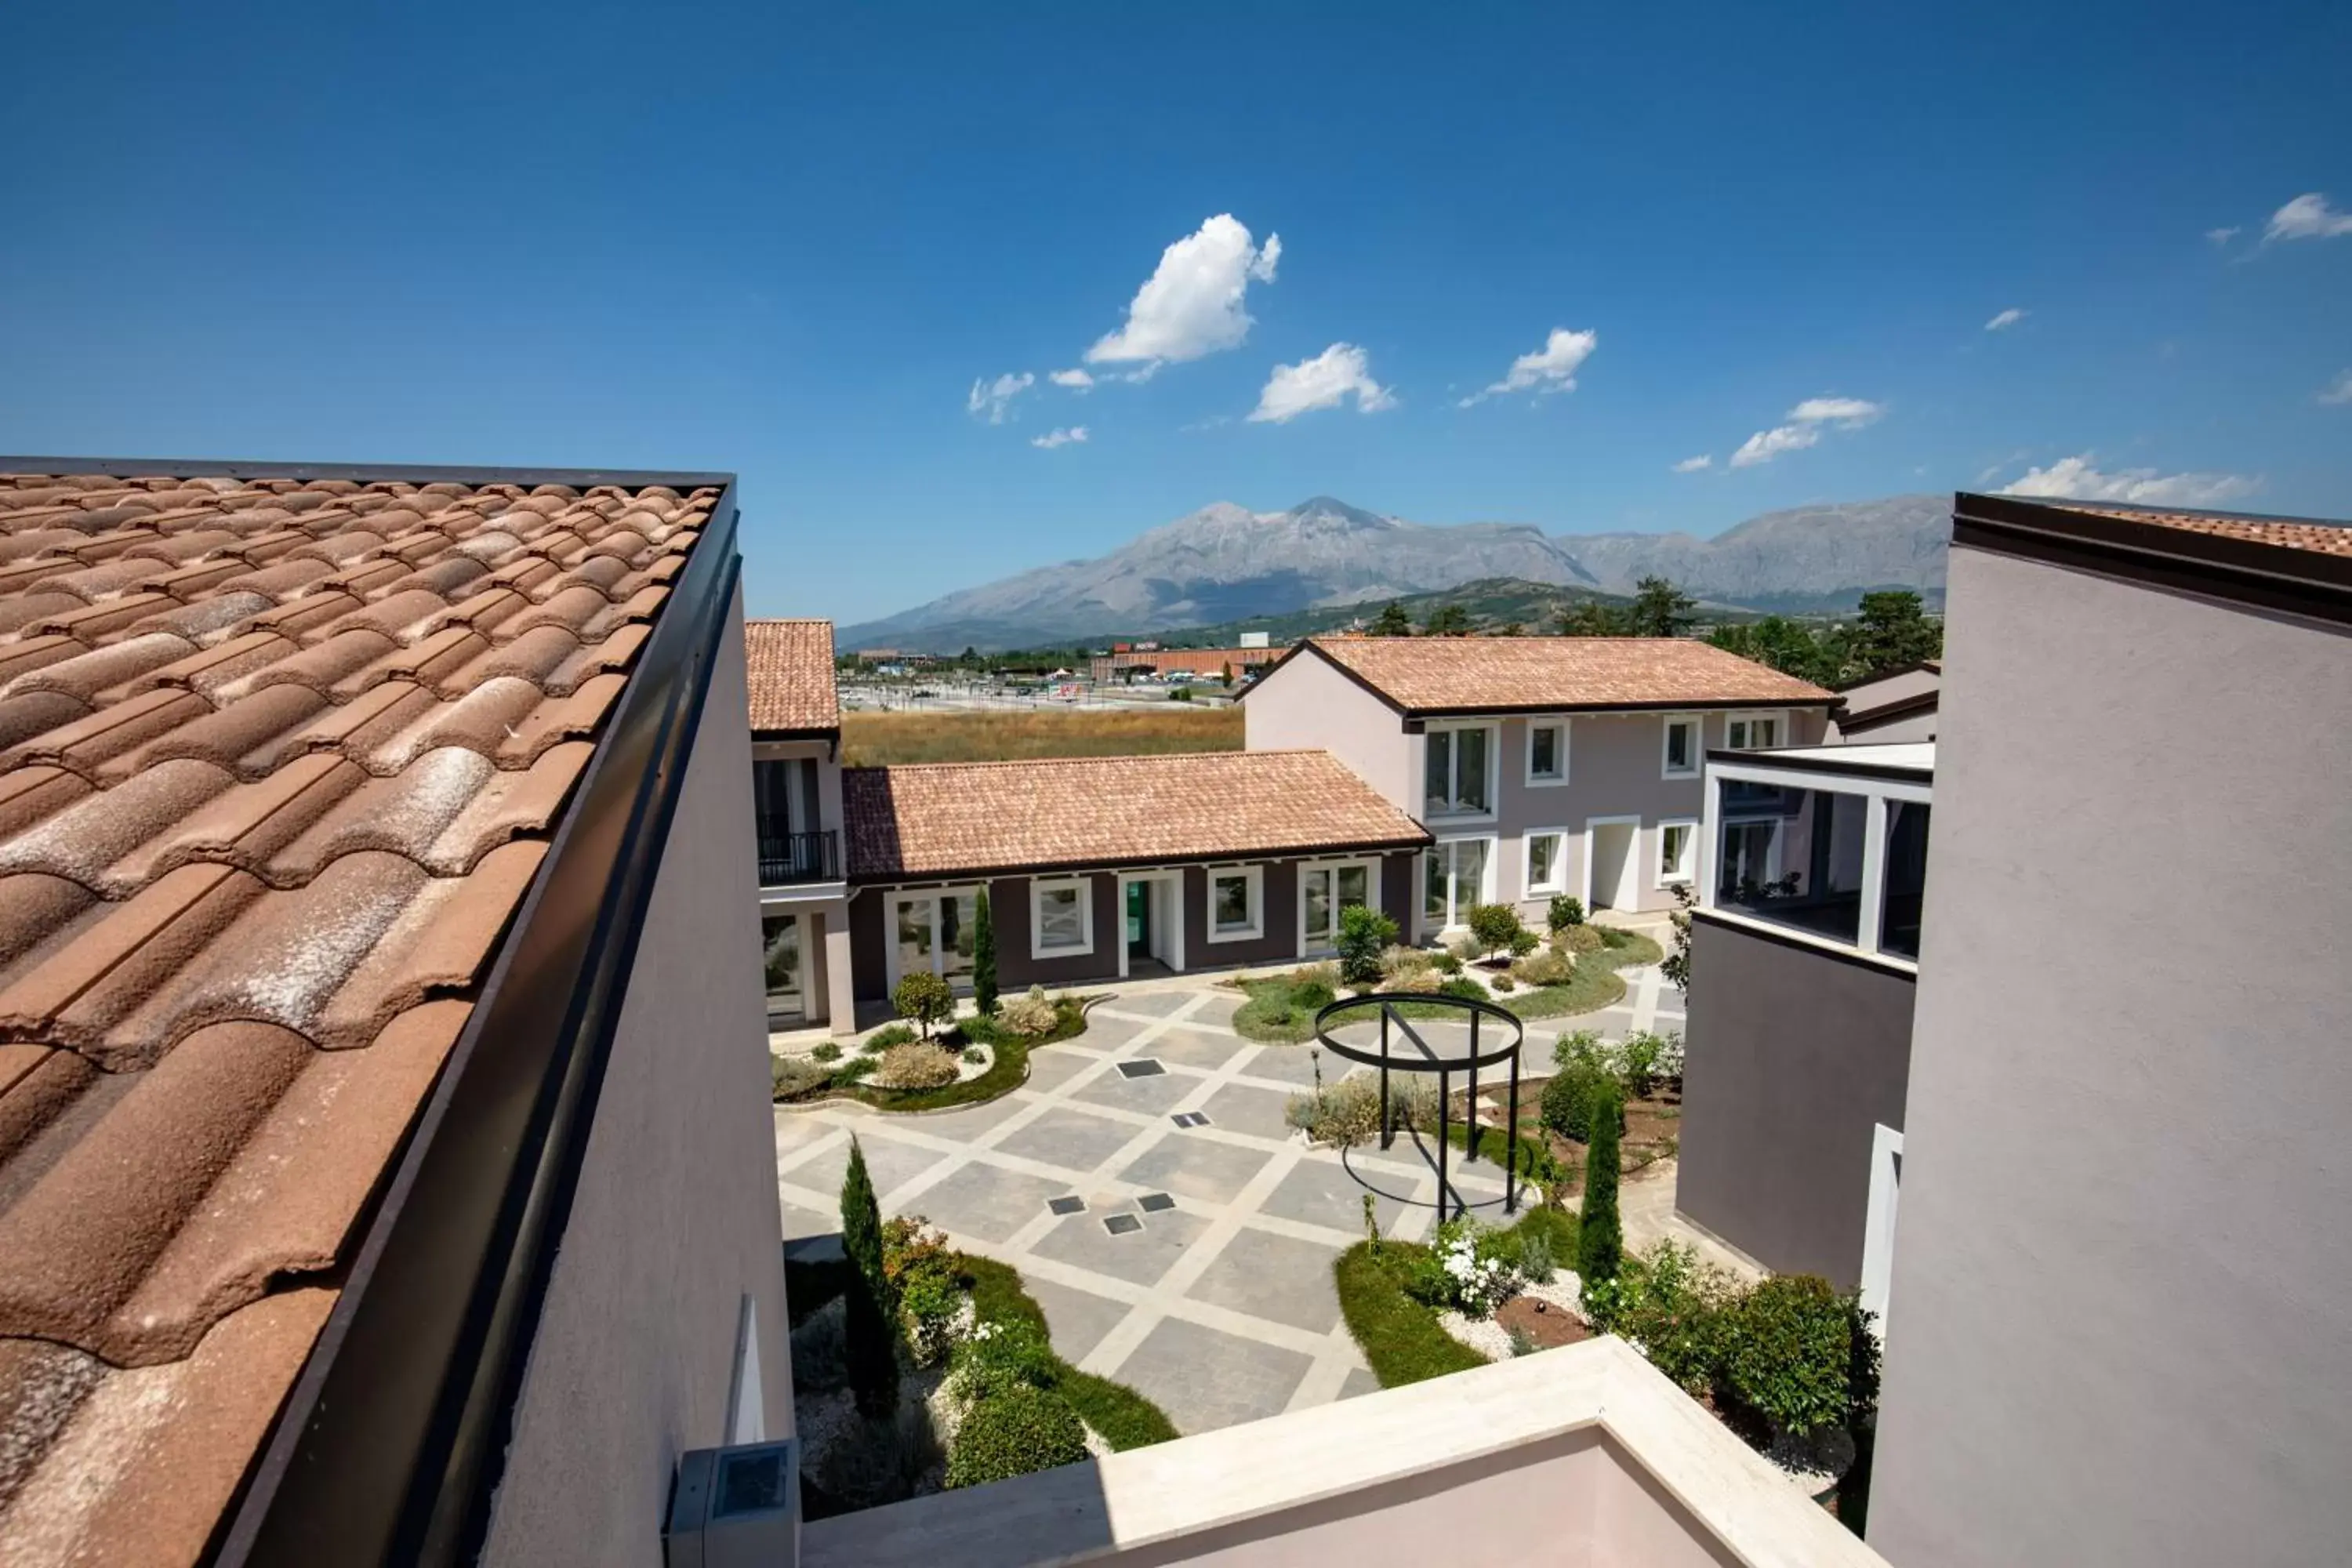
[(1333, 869), (1667, 876), (1554, 721), (1666, 769), (1878, 1227), (1038, 888), (1254, 875), (1493, 732), (1779, 718), (1558, 883), (892, 970), (1486, 891)]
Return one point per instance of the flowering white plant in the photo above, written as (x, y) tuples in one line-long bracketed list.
[(1473, 1277)]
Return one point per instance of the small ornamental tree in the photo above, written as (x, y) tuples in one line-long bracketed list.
[(924, 999), (1365, 933), (983, 956), (1600, 1240), (871, 1346), (1567, 909), (1493, 928)]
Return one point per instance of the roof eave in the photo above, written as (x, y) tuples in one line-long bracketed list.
[(415, 473), (1073, 867)]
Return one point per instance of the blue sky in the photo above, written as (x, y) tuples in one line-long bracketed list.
[(790, 240)]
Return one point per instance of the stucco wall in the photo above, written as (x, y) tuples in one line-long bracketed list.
[(1008, 906), (1279, 882), (1309, 703), (2123, 1276), (1792, 1057), (675, 1218)]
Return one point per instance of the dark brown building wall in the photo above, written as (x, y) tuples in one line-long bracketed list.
[(1793, 1056), (1278, 891), (1008, 907), (1401, 887), (867, 940)]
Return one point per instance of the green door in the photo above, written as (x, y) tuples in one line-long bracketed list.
[(1139, 919)]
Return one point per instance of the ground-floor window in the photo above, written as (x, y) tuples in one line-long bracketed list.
[(933, 933), (1062, 919), (1677, 846), (1323, 892), (1547, 862), (1237, 903), (1453, 877), (779, 937)]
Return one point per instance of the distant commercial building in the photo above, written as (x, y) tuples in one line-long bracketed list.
[(1207, 662)]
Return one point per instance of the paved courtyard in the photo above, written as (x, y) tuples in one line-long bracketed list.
[(1199, 1268)]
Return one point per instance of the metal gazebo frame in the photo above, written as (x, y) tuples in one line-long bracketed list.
[(1391, 1021)]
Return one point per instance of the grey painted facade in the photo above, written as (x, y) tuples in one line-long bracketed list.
[(675, 1221), (1793, 1056), (2122, 1309), (1615, 770)]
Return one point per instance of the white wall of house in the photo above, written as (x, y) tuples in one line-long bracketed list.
[(1309, 703)]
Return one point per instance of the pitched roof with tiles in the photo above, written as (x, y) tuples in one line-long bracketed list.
[(2281, 532), (277, 762), (790, 668), (1075, 812), (1498, 675)]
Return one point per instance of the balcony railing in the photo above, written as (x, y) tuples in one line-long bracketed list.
[(788, 858)]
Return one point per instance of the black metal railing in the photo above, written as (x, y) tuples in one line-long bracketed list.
[(1423, 1057), (788, 858)]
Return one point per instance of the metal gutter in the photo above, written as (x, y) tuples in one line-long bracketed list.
[(393, 1442)]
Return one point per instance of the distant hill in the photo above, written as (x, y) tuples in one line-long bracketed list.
[(1491, 602), (1228, 568)]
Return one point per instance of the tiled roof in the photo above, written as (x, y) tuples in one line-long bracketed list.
[(1486, 675), (1109, 811), (277, 762), (2285, 533), (791, 664)]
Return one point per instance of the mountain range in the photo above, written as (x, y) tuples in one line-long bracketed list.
[(1225, 562)]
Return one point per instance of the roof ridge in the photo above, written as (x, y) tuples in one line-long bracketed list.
[(1115, 757)]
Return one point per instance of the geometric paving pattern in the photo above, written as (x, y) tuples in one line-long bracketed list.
[(1218, 1304)]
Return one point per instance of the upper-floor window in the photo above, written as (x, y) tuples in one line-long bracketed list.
[(1457, 777), (1752, 732), (1547, 752), (1681, 759)]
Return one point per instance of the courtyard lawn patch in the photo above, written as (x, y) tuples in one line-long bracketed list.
[(1008, 1072), (1281, 1009), (1596, 983), (870, 739), (1402, 1339), (1119, 1416)]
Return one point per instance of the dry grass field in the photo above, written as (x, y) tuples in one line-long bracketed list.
[(869, 739)]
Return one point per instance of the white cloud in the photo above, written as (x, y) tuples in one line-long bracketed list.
[(1075, 379), (2339, 390), (2074, 479), (2308, 216), (1806, 423), (2005, 321), (2223, 235), (1052, 438), (991, 400), (1324, 382), (1693, 464), (1551, 368), (1192, 304)]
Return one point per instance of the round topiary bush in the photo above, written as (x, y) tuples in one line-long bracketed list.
[(1028, 1016), (1787, 1350), (1568, 1099), (1582, 939), (1016, 1429), (916, 1067), (1549, 967)]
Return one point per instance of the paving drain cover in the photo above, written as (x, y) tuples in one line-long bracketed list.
[(1066, 1206), (1191, 1119), (1122, 1225), (1152, 1203), (1142, 1067)]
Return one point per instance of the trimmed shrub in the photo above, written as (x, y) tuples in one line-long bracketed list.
[(1524, 942), (1447, 962), (1565, 911), (920, 1066), (873, 1349), (1568, 1094), (1493, 927), (1638, 1057), (1365, 937), (856, 1070), (1674, 1309), (1786, 1353), (983, 955), (973, 1055), (1311, 997), (1468, 990), (924, 998), (792, 1076), (1549, 967), (1015, 1430), (1028, 1016), (1408, 968), (825, 1051), (922, 1276), (1600, 1242), (1580, 939), (888, 1035), (1342, 1115), (1503, 983)]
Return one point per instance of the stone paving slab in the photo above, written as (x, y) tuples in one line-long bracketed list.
[(1068, 1136), (1243, 1108), (1276, 1277), (1192, 1166), (1140, 1257), (1186, 1048), (1076, 1319), (1155, 1096), (984, 1200), (1205, 1379)]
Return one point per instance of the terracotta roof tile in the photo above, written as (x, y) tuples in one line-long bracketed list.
[(278, 762), (2282, 532), (1109, 811), (1474, 675), (791, 670)]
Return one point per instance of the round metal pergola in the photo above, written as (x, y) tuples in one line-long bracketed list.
[(1428, 1060)]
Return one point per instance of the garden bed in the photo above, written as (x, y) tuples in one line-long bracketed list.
[(1006, 1069)]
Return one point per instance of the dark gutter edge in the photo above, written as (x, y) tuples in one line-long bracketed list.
[(2305, 583), (762, 737), (1761, 932), (1932, 666), (1104, 867), (1705, 705), (361, 473), (1265, 672), (1925, 702), (1830, 766), (392, 1444)]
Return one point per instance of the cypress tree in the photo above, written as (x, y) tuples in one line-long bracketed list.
[(871, 1347), (983, 956), (1600, 1242)]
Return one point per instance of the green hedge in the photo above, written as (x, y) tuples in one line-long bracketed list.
[(1006, 1074), (1122, 1418), (1402, 1339), (1016, 1429)]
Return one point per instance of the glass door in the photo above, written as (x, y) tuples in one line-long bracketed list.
[(1324, 891), (934, 933), (787, 997), (1454, 878), (1139, 919)]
